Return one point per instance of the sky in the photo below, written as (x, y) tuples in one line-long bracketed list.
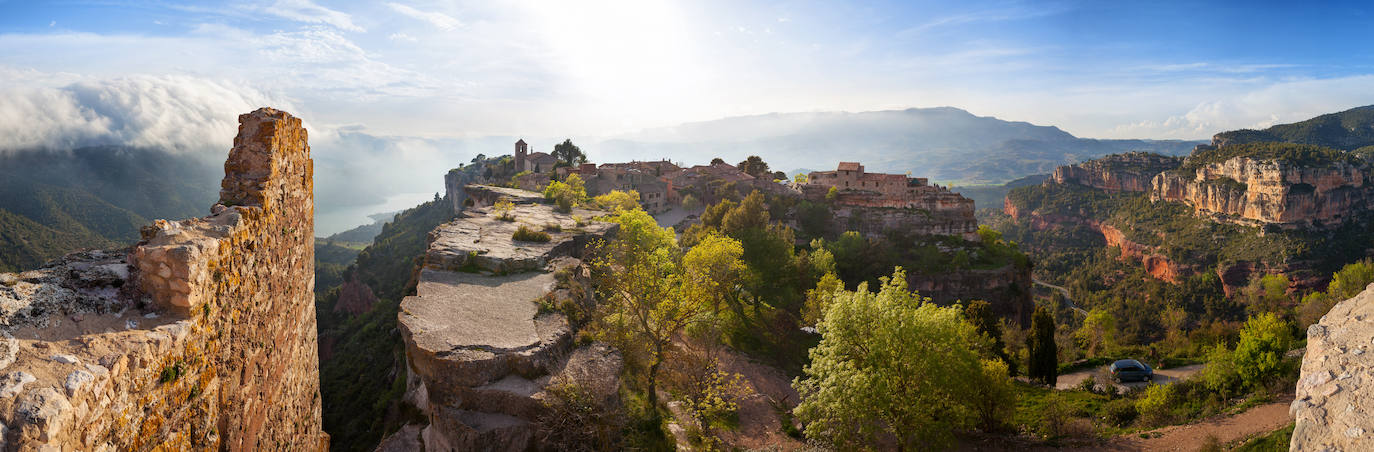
[(456, 69), (386, 87)]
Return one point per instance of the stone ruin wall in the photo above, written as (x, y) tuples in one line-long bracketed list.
[(210, 343)]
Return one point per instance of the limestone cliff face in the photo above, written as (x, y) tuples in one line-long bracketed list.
[(1334, 403), (481, 352), (1253, 191), (202, 337), (1121, 172), (1008, 290)]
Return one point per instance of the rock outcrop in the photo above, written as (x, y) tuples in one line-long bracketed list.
[(481, 351), (1257, 192), (201, 337), (1334, 405), (1131, 171)]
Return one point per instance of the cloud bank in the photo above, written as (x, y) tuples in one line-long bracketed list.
[(169, 112)]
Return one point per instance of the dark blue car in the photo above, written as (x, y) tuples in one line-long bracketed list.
[(1131, 370)]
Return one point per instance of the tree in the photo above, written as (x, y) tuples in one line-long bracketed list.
[(891, 364), (617, 200), (567, 193), (1259, 354), (1098, 332), (989, 324), (690, 203), (568, 153), (779, 176), (832, 194), (717, 161), (1351, 280), (1044, 353), (754, 166), (479, 157), (654, 291), (800, 178)]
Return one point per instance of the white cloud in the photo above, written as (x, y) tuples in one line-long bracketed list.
[(401, 37), (308, 12), (174, 113), (437, 19), (1258, 108)]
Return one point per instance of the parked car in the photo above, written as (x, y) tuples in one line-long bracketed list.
[(1131, 370)]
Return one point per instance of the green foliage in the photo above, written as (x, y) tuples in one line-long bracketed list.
[(690, 203), (754, 166), (526, 234), (800, 178), (362, 375), (172, 372), (1349, 129), (1120, 412), (832, 194), (568, 153), (617, 200), (1305, 155), (1044, 353), (567, 193), (1276, 441), (502, 209), (1098, 333), (890, 363), (1155, 406), (1351, 280), (1260, 353), (989, 324)]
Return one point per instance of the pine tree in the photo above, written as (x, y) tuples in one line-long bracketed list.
[(1044, 354)]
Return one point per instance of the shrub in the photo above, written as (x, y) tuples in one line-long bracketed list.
[(1259, 354), (567, 193), (618, 200), (1119, 412), (1154, 406), (553, 227), (525, 234), (502, 209)]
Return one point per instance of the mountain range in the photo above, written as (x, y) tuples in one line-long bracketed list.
[(944, 144)]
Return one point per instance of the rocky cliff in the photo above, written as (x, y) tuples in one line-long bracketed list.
[(201, 337), (1334, 404), (1259, 191), (1131, 171), (482, 352)]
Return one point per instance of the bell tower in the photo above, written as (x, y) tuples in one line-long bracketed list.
[(521, 150)]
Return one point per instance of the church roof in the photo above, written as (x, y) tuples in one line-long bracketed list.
[(522, 141)]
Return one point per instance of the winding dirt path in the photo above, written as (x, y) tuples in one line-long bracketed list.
[(1227, 429)]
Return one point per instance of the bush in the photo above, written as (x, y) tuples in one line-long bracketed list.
[(1259, 354), (567, 193), (1154, 406), (1120, 412), (525, 234)]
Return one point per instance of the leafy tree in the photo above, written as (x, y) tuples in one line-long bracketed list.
[(690, 203), (754, 166), (1044, 353), (654, 291), (1098, 332), (989, 324), (1263, 342), (568, 153), (1219, 374), (1155, 405), (618, 200), (567, 193), (800, 178), (1351, 280), (717, 160), (818, 299), (832, 194), (478, 158), (891, 364), (779, 176)]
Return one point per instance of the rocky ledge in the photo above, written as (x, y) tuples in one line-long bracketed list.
[(1334, 406), (482, 342)]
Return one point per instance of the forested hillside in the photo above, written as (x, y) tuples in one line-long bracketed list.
[(55, 202)]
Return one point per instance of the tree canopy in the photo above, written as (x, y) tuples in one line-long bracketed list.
[(568, 153)]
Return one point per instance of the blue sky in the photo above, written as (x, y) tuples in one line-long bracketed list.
[(601, 68)]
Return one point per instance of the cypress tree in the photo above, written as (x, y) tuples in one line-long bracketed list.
[(1044, 354)]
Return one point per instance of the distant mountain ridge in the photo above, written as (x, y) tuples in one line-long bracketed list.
[(1347, 130), (943, 143), (52, 203)]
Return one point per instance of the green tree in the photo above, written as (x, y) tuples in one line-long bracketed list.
[(568, 153), (890, 364), (800, 178), (754, 166), (1351, 280), (654, 291), (1098, 333), (1259, 354), (567, 193), (832, 194), (717, 160), (1044, 353), (989, 324), (690, 203), (617, 200)]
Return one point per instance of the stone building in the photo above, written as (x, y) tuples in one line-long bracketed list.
[(851, 176), (534, 162)]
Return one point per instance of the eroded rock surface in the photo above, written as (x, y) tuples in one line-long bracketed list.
[(1334, 405), (1250, 191), (481, 351)]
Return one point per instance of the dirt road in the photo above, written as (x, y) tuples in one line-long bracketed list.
[(1227, 429), (1062, 291), (1162, 376)]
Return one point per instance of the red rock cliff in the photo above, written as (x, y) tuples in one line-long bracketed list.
[(1250, 191)]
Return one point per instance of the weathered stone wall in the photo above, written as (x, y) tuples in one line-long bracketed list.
[(1008, 290), (1334, 404), (205, 338)]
